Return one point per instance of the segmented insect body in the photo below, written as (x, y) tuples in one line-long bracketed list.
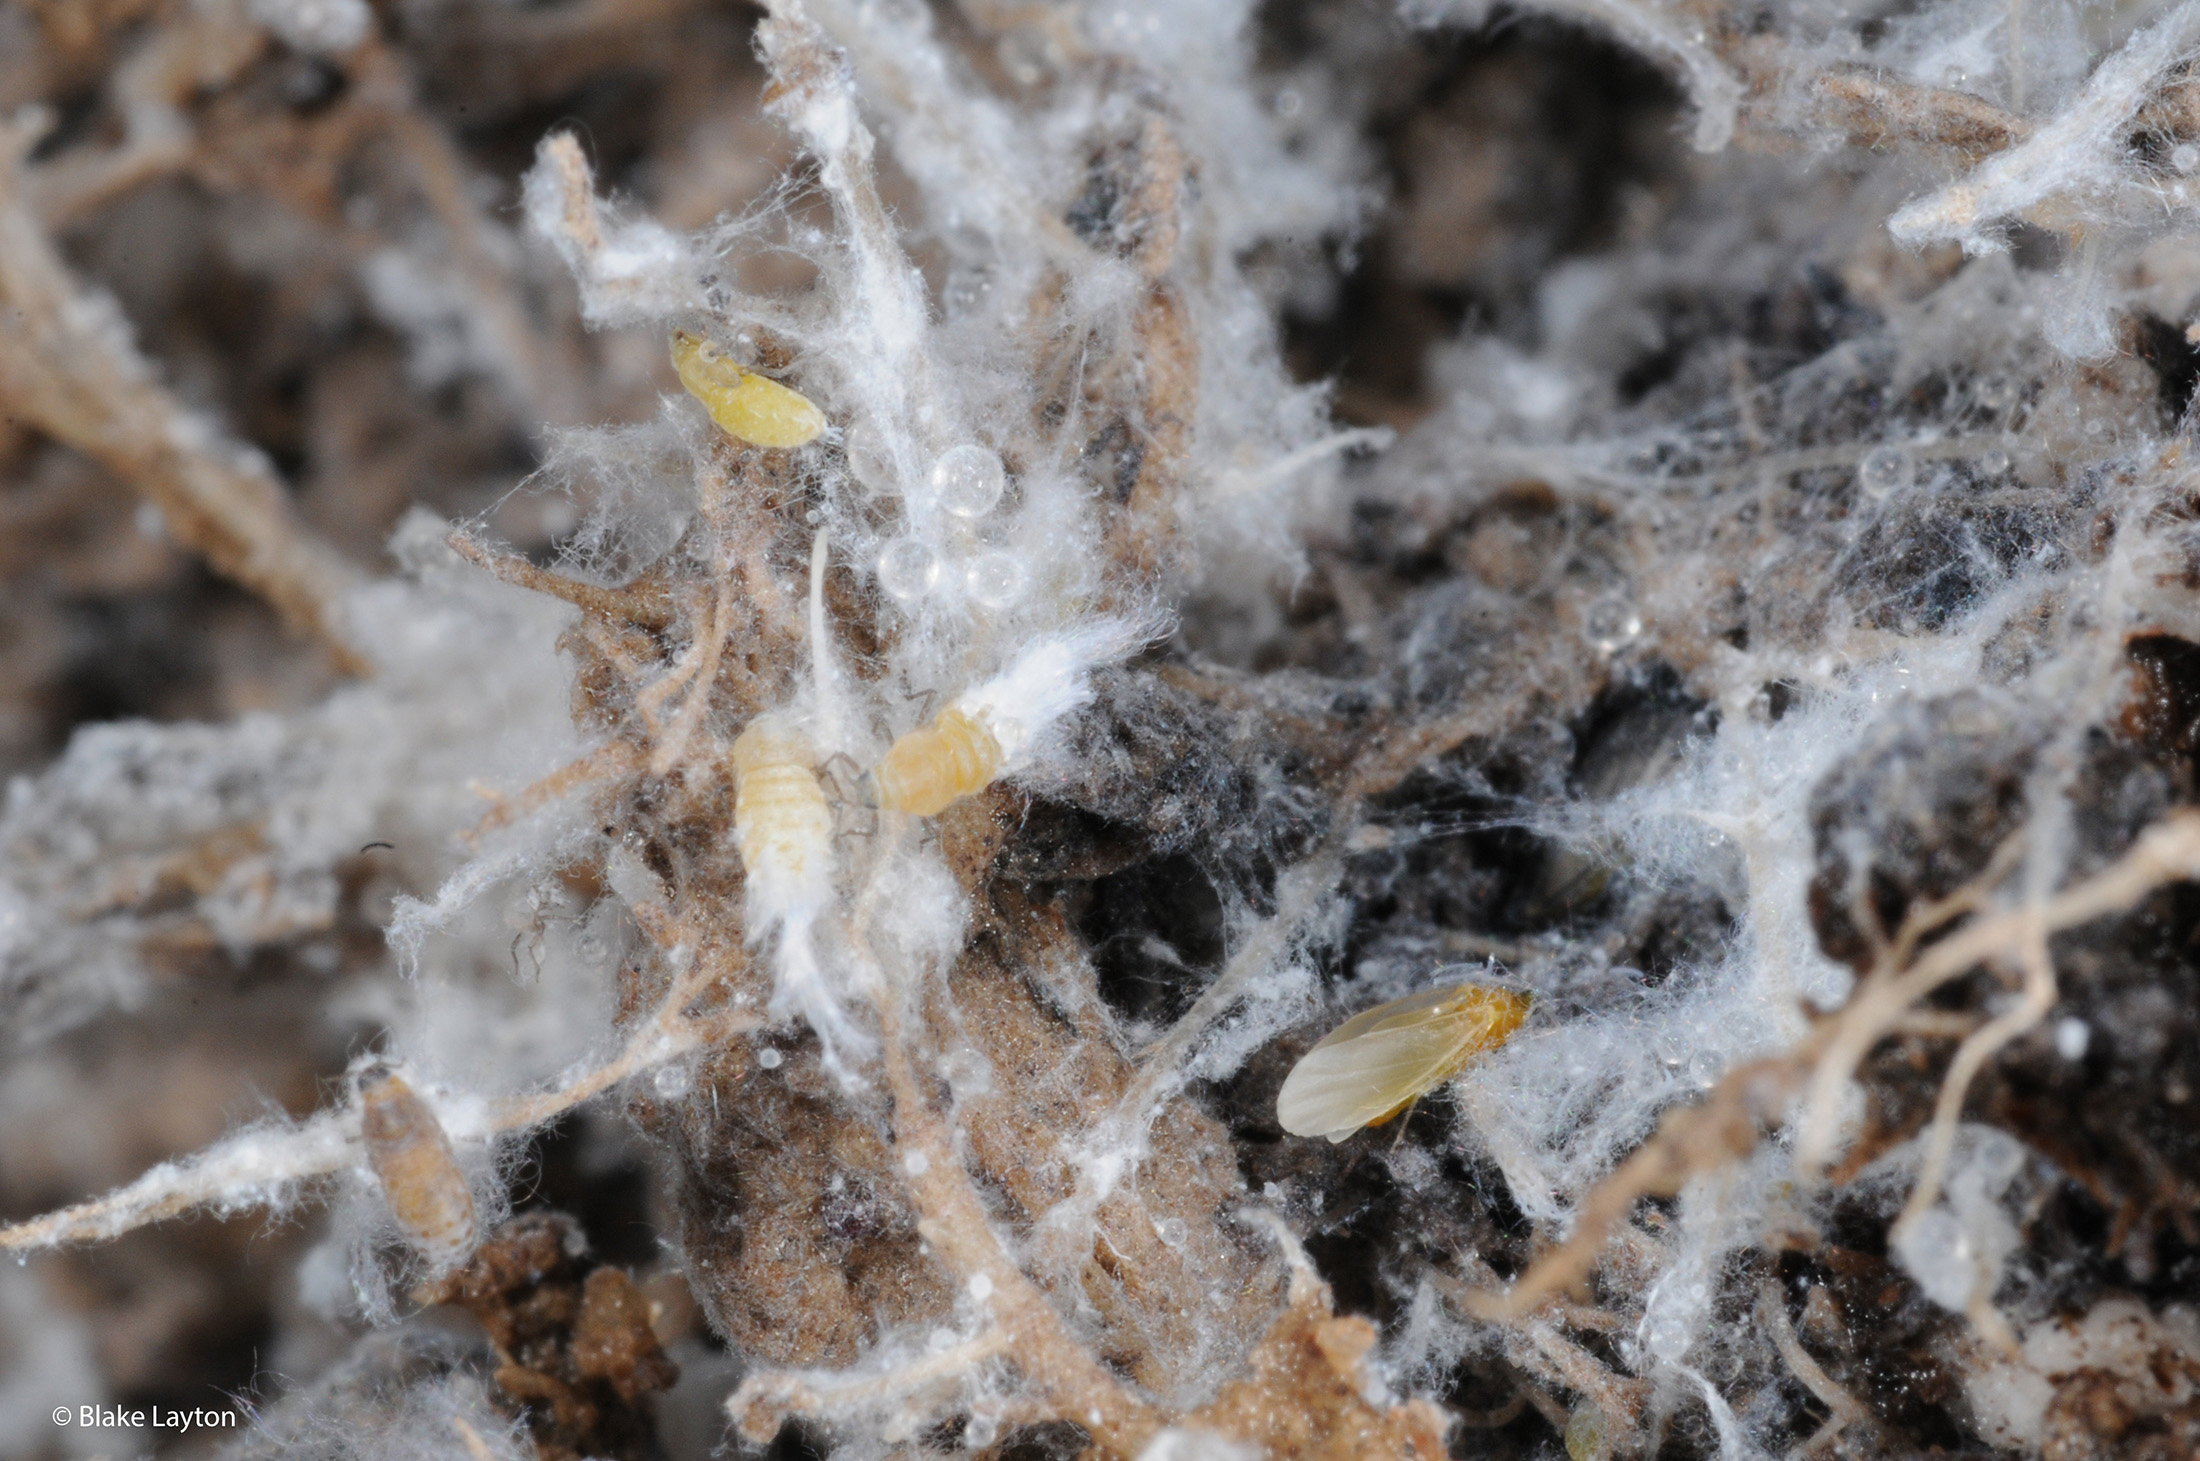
[(412, 1156), (783, 828), (983, 735), (781, 824), (1381, 1061), (934, 766), (748, 406)]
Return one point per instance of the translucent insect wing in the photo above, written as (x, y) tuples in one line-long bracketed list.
[(1378, 1062), (747, 406)]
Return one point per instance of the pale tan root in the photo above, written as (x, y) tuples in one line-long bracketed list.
[(618, 758), (767, 1397), (68, 368), (254, 1170), (1845, 1408), (1726, 1126), (1971, 1057)]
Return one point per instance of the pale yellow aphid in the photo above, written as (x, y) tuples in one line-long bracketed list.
[(748, 406), (781, 822), (1379, 1062), (412, 1156), (934, 766)]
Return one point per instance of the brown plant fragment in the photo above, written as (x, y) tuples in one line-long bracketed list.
[(1879, 111), (2099, 1416), (576, 1356), (1308, 1393)]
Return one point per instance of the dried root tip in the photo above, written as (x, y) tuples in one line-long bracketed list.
[(933, 767), (747, 406), (646, 608), (412, 1156)]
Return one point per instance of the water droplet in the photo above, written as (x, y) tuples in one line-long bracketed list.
[(1610, 624), (908, 569), (2185, 157), (2072, 1036), (968, 480), (1939, 1255), (2095, 427), (673, 1081), (769, 1058), (1172, 1231), (981, 1286), (1992, 463), (981, 1431), (996, 580), (1884, 470), (1289, 103)]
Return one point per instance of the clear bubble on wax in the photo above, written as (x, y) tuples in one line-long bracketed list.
[(995, 580), (968, 480), (1883, 470), (673, 1081), (908, 569), (1610, 624)]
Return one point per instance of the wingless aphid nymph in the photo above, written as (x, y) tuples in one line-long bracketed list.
[(410, 1153), (747, 406)]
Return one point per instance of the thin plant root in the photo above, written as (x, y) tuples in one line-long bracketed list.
[(67, 367)]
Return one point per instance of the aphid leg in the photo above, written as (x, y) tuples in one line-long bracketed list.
[(1405, 1121), (840, 771), (852, 817), (927, 697)]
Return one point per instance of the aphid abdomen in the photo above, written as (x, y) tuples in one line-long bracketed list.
[(747, 406), (1381, 1061), (781, 822), (410, 1153), (934, 766)]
